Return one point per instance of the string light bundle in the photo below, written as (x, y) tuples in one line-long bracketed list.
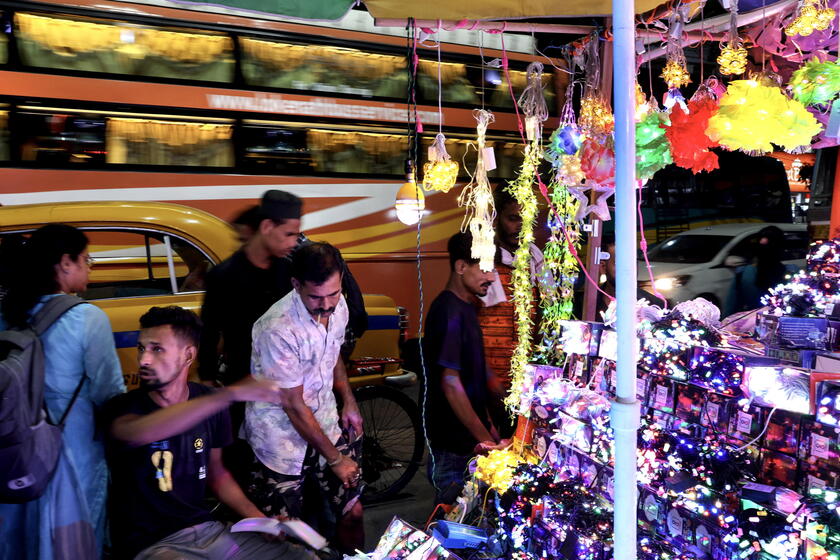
[(439, 173), (733, 56), (824, 256), (717, 370), (664, 351), (477, 198), (496, 468), (804, 294), (653, 152), (535, 110), (686, 132), (816, 82), (596, 117), (814, 15), (754, 114), (675, 73)]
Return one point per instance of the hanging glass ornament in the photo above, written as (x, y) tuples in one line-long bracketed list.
[(440, 173)]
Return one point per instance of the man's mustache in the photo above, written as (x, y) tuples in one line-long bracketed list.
[(321, 311)]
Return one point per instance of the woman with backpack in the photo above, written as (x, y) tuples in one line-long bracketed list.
[(81, 373)]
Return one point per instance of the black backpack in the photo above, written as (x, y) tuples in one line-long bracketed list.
[(30, 443)]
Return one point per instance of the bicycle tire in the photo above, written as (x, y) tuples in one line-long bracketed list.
[(393, 442)]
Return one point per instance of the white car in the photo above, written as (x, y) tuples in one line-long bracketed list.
[(701, 262)]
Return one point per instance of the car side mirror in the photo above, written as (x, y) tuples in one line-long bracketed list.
[(734, 261)]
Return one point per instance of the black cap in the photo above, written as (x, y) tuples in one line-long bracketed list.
[(280, 205)]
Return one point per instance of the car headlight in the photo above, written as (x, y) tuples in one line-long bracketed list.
[(667, 283)]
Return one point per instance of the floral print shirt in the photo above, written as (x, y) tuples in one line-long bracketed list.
[(292, 348)]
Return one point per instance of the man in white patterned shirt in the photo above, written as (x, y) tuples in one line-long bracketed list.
[(297, 344)]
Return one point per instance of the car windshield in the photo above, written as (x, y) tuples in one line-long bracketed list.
[(689, 248)]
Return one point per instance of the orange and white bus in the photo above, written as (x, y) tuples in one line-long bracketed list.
[(113, 100)]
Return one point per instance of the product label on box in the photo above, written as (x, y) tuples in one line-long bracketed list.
[(814, 482), (640, 387), (651, 508), (704, 540), (744, 422), (578, 371), (675, 523), (819, 446), (541, 446), (553, 453), (713, 412), (661, 398)]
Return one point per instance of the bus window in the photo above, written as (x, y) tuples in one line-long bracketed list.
[(455, 86), (273, 148), (4, 45), (315, 68), (4, 133), (357, 152), (160, 142), (57, 139), (101, 45)]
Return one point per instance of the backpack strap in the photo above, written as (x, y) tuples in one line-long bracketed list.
[(52, 311), (43, 320)]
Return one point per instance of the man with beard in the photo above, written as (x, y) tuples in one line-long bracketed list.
[(303, 437), (457, 415), (164, 452)]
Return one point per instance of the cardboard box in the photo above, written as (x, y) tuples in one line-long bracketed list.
[(814, 333)]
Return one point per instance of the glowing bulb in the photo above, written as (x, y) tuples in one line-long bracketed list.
[(410, 202)]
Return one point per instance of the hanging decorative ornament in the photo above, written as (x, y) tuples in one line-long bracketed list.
[(754, 114), (599, 207), (477, 198), (535, 110), (816, 83), (439, 173), (733, 56), (814, 15), (652, 149), (560, 265), (565, 141), (595, 116), (675, 73), (687, 131), (597, 161)]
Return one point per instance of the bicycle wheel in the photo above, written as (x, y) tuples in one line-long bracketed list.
[(393, 442)]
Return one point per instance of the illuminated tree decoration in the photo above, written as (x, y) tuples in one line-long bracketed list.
[(439, 173), (814, 15), (816, 83), (477, 198), (534, 108), (687, 132), (754, 114), (675, 74), (653, 152)]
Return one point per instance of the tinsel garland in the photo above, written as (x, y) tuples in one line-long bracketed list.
[(562, 269), (816, 83), (755, 114), (522, 190)]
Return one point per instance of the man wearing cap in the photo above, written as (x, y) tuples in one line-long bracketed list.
[(241, 288)]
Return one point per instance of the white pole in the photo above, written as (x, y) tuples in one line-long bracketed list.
[(625, 408)]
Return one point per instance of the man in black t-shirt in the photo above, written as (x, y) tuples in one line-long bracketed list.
[(456, 409), (241, 288), (164, 453)]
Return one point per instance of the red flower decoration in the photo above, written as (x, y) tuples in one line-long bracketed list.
[(687, 136), (597, 161)]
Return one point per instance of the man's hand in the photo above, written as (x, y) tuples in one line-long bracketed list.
[(253, 389), (351, 419), (487, 446), (347, 472)]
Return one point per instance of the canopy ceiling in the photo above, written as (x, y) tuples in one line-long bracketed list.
[(426, 9)]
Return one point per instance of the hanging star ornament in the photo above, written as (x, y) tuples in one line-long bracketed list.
[(598, 207)]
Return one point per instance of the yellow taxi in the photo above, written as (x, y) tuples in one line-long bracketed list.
[(148, 253)]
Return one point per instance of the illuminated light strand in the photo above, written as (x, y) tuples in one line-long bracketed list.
[(477, 199), (596, 118), (813, 15), (522, 190), (440, 173), (824, 256), (496, 468)]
